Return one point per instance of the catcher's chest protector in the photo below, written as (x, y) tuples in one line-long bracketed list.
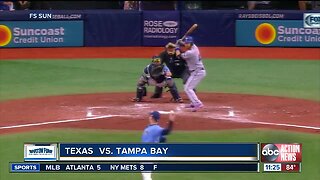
[(156, 72)]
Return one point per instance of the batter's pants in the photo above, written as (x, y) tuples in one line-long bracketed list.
[(194, 79)]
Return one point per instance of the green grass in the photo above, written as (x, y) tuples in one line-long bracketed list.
[(12, 151), (34, 78)]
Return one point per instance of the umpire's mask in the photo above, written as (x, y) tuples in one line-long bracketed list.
[(170, 48)]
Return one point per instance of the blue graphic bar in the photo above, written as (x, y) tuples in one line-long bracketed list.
[(25, 167), (134, 167), (159, 152)]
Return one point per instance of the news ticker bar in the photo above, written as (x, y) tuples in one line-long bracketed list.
[(230, 152), (181, 152), (134, 167), (225, 159)]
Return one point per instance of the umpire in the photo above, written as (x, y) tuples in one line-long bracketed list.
[(177, 66)]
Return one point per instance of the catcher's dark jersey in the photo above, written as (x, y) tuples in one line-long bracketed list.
[(174, 63), (148, 71)]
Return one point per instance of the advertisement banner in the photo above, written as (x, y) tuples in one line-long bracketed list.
[(40, 152), (41, 33), (160, 27), (269, 14), (272, 14), (41, 15), (280, 33)]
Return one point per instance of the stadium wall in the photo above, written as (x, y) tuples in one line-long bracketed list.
[(105, 28)]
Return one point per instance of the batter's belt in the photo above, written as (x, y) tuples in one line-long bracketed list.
[(197, 69)]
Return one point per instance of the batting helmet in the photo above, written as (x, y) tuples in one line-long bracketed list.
[(188, 39)]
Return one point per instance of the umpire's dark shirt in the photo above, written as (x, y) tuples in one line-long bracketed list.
[(175, 64)]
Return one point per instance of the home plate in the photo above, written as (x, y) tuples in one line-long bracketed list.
[(231, 113), (89, 113)]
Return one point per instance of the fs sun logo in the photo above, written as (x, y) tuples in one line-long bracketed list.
[(5, 35), (265, 33)]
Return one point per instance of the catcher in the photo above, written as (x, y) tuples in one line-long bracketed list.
[(158, 75), (177, 66)]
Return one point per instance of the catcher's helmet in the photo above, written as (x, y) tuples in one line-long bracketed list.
[(156, 59)]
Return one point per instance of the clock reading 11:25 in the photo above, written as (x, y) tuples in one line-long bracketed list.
[(272, 167)]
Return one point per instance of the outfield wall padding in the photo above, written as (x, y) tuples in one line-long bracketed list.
[(226, 28)]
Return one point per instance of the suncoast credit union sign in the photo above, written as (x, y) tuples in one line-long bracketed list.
[(41, 33), (282, 33)]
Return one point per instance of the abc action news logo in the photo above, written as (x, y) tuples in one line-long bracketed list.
[(281, 152)]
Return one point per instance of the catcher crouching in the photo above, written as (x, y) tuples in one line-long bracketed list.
[(159, 75)]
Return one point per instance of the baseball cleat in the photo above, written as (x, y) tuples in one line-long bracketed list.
[(189, 105), (197, 107), (179, 100), (136, 100), (155, 96)]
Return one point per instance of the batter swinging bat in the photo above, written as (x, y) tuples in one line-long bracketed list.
[(191, 29)]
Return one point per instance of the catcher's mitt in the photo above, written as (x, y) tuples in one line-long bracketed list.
[(156, 72)]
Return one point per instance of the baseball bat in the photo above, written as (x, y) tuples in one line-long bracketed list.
[(191, 29)]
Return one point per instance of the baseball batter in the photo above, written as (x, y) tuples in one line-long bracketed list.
[(153, 133), (191, 54), (156, 74)]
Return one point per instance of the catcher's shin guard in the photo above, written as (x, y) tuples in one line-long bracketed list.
[(144, 91), (140, 93)]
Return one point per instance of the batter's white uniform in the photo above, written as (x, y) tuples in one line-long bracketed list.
[(197, 73)]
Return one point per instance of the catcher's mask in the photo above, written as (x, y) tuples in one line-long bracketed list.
[(156, 60)]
